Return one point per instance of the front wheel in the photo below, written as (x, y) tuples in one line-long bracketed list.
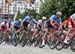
[(51, 45), (73, 45), (59, 46)]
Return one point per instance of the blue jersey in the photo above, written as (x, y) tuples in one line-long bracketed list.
[(16, 23), (54, 18), (28, 19)]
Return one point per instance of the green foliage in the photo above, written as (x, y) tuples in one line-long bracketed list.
[(47, 8), (67, 7), (21, 16), (38, 16)]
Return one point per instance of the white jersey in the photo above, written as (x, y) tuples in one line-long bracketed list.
[(3, 24), (39, 22)]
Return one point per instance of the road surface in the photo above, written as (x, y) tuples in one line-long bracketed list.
[(9, 49)]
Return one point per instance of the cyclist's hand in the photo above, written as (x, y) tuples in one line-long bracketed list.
[(53, 24)]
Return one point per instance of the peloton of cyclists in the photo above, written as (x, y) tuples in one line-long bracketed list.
[(44, 24)]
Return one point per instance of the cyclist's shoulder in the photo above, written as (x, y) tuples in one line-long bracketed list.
[(53, 16), (27, 17), (2, 23), (39, 21), (16, 21)]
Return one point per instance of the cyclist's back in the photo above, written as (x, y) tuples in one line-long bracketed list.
[(16, 24), (28, 20), (70, 23), (4, 25)]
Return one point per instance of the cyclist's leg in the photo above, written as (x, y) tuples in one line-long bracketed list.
[(15, 30), (43, 39), (52, 36)]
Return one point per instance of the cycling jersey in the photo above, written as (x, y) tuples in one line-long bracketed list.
[(28, 19), (48, 24), (16, 23), (4, 26), (39, 22), (70, 23), (54, 18)]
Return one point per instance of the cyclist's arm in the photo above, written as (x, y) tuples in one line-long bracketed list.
[(34, 21), (60, 23), (12, 27), (23, 21), (52, 20)]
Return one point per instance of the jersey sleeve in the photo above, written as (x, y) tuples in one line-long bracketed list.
[(34, 21), (25, 18), (60, 20), (52, 17)]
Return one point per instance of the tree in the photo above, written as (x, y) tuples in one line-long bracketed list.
[(67, 7), (21, 16), (47, 8)]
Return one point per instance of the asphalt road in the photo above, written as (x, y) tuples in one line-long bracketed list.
[(9, 49)]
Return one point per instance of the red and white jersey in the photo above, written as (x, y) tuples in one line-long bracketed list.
[(70, 23), (4, 26)]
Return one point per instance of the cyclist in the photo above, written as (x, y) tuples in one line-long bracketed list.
[(40, 27), (16, 24), (4, 25), (71, 26), (53, 22), (15, 27), (28, 19), (43, 23), (71, 22)]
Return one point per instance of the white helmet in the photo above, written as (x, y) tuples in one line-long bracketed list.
[(72, 16), (43, 17), (59, 13)]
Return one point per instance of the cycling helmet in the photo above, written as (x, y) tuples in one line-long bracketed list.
[(43, 17), (72, 16), (59, 13)]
